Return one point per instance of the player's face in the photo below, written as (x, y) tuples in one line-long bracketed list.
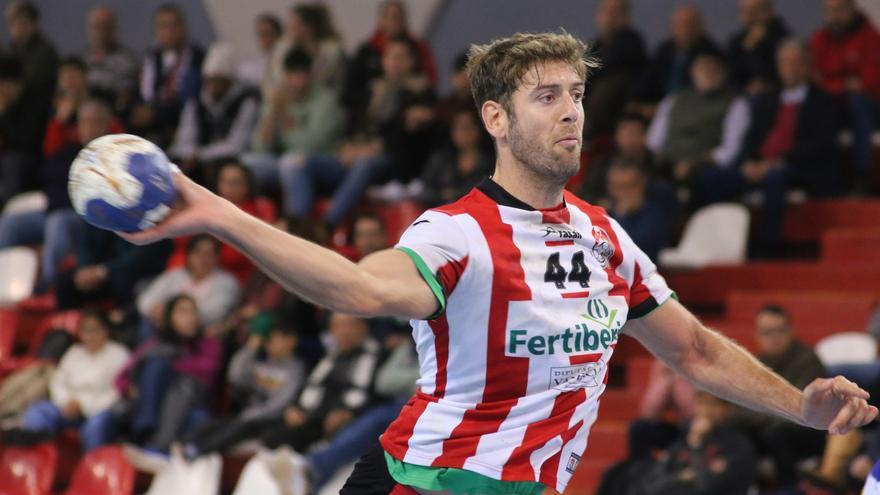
[(546, 121)]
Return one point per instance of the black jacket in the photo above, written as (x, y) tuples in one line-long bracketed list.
[(657, 80), (760, 62)]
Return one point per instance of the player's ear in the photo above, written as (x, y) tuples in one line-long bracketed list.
[(494, 119)]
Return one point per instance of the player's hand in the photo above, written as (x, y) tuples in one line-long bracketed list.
[(196, 212), (836, 404)]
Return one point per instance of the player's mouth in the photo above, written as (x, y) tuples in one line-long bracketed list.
[(569, 141)]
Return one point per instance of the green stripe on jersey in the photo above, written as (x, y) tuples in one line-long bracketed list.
[(458, 481), (430, 278)]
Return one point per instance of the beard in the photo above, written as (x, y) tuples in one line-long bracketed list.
[(550, 164)]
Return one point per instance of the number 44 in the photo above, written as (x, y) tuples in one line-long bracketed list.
[(556, 273)]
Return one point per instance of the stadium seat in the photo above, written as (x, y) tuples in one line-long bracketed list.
[(847, 348), (18, 273), (28, 471), (26, 203), (715, 235), (7, 336), (103, 471)]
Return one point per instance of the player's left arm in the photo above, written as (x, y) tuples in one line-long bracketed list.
[(722, 367)]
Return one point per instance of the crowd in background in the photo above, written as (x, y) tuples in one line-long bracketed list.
[(307, 137)]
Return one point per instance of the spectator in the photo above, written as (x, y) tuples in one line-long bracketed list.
[(752, 49), (22, 122), (369, 234), (36, 52), (310, 30), (71, 93), (81, 391), (168, 378), (267, 377), (58, 228), (454, 170), (113, 68), (630, 144), (214, 290), (254, 71), (171, 74), (669, 70), (642, 217), (785, 442), (846, 58), (622, 52), (713, 458), (336, 391), (234, 183), (216, 124), (699, 127), (298, 119), (459, 97), (367, 64), (394, 144), (107, 269), (791, 143)]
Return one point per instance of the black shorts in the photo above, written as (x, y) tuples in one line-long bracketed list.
[(371, 477)]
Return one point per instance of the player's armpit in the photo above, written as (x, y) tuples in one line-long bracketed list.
[(401, 289)]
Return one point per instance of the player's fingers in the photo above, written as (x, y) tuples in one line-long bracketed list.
[(841, 421), (819, 388), (844, 389), (867, 414)]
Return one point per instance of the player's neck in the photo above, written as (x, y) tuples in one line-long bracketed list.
[(526, 186)]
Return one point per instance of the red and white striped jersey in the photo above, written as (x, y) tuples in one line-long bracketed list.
[(512, 370)]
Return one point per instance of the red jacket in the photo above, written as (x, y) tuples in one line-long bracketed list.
[(852, 53), (60, 134)]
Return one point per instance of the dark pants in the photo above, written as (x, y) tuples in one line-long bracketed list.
[(18, 173), (220, 434), (787, 444), (277, 433), (371, 476)]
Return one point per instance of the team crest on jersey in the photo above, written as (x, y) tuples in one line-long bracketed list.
[(603, 249)]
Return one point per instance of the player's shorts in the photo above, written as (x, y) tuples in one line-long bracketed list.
[(371, 477)]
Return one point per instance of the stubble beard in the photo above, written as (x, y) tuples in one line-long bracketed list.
[(555, 167)]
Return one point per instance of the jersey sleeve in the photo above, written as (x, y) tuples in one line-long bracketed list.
[(647, 288), (438, 248)]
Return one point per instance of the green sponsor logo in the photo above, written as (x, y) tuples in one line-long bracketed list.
[(597, 312), (576, 339)]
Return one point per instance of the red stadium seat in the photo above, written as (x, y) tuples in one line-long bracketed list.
[(7, 334), (103, 471), (28, 471)]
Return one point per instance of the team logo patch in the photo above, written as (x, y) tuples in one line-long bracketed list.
[(572, 464), (603, 249)]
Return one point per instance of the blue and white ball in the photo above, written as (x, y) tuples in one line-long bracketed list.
[(121, 182)]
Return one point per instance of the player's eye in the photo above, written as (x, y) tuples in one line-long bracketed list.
[(548, 98), (577, 96)]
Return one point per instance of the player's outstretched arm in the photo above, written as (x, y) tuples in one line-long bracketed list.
[(719, 365), (385, 283)]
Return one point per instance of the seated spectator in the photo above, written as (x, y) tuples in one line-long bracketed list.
[(368, 235), (335, 392), (217, 124), (367, 65), (81, 392), (622, 52), (452, 171), (215, 291), (459, 97), (310, 30), (168, 378), (36, 52), (669, 70), (785, 442), (23, 117), (846, 61), (58, 228), (299, 118), (791, 143), (71, 93), (752, 49), (396, 381), (267, 376), (699, 127), (395, 147), (234, 183), (171, 75), (108, 268), (112, 68), (255, 71), (645, 219), (713, 458), (631, 145)]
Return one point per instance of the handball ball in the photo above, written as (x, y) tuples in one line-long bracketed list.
[(121, 182)]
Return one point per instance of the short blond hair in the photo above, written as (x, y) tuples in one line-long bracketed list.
[(495, 70)]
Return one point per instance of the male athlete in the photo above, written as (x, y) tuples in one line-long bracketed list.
[(518, 294)]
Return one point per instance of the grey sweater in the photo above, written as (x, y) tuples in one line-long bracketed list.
[(270, 385)]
